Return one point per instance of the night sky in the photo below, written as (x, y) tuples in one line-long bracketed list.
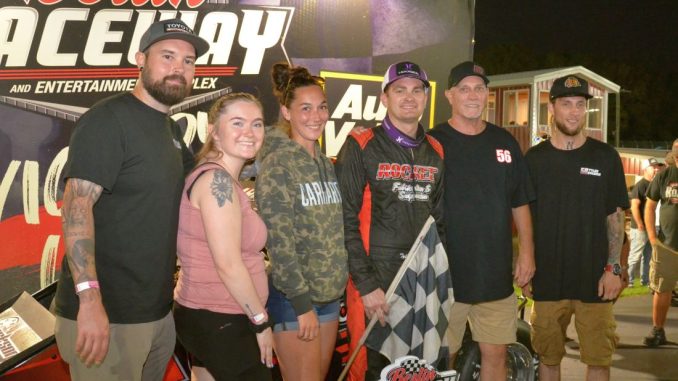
[(624, 30), (632, 43)]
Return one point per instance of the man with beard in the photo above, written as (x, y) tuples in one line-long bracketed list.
[(578, 234), (486, 188), (124, 177)]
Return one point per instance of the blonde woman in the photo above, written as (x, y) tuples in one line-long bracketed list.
[(222, 287)]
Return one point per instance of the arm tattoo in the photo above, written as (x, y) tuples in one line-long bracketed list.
[(222, 187), (250, 313), (79, 196), (615, 235), (77, 221), (81, 258)]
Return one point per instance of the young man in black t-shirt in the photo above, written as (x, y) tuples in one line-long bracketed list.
[(486, 186), (124, 177), (578, 235), (664, 264)]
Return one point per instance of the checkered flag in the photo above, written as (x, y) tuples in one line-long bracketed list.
[(420, 298), (411, 364), (412, 368)]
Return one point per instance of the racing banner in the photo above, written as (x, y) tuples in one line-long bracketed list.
[(59, 57)]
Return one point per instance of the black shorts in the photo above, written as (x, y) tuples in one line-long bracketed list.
[(222, 343)]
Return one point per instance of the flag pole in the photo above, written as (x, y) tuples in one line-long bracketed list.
[(357, 350), (389, 294)]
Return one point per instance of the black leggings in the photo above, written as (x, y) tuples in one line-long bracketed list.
[(223, 343)]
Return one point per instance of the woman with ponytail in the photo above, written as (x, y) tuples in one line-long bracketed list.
[(299, 200)]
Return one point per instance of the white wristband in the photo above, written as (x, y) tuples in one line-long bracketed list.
[(82, 286), (259, 318)]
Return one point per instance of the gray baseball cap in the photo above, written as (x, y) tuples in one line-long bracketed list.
[(173, 29)]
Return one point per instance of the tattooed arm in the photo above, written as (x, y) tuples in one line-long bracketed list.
[(77, 221), (219, 206), (615, 235), (609, 285)]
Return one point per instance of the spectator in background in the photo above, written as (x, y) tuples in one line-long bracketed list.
[(222, 289), (664, 264), (641, 250), (299, 199)]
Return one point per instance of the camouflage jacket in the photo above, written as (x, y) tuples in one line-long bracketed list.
[(298, 197)]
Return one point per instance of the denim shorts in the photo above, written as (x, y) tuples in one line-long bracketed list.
[(281, 311)]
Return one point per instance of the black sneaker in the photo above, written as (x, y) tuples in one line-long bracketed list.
[(657, 337)]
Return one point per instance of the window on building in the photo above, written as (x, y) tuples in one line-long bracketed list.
[(544, 114), (490, 113), (516, 107), (595, 113)]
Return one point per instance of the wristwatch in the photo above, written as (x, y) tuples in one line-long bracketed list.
[(614, 268)]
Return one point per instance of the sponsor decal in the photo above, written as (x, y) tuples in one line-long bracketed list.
[(671, 193), (589, 172), (411, 368), (572, 82), (409, 189), (407, 68), (395, 171), (504, 156), (177, 28)]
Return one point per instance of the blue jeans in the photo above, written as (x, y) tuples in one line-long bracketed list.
[(640, 249), (281, 311)]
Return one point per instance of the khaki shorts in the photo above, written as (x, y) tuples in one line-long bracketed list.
[(135, 351), (595, 327), (663, 268), (491, 322)]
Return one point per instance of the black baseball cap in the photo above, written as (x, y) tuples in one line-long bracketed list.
[(173, 29), (463, 70), (570, 86), (404, 70)]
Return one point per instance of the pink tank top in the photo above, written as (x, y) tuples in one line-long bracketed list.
[(199, 285)]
